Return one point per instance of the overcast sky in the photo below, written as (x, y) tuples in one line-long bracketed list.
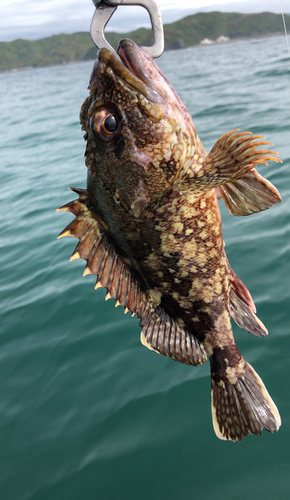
[(32, 19)]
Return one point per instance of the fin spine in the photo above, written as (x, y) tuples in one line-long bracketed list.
[(159, 332)]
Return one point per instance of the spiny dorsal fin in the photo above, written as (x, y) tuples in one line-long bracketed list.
[(249, 195), (100, 254), (242, 308), (159, 332)]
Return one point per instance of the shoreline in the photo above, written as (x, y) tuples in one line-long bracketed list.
[(241, 39), (232, 40)]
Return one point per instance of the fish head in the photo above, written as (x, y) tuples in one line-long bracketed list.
[(140, 136)]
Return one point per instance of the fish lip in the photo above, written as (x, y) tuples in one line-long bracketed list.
[(128, 53), (129, 67)]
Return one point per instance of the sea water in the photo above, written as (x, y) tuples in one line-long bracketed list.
[(86, 412)]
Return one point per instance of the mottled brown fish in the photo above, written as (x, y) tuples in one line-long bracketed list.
[(149, 227)]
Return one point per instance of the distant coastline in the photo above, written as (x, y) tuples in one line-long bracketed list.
[(65, 63), (244, 39), (187, 32)]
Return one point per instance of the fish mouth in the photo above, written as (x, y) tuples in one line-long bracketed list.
[(130, 68), (128, 52)]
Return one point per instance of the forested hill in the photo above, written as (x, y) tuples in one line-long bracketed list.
[(187, 32)]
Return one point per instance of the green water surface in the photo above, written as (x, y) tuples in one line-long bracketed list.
[(86, 412)]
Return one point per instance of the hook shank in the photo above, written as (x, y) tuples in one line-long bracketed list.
[(106, 8)]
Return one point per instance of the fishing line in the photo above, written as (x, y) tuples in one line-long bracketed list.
[(284, 22)]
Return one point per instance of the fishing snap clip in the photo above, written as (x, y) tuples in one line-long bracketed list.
[(106, 8)]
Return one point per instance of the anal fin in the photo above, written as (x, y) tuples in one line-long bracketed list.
[(242, 308), (249, 195)]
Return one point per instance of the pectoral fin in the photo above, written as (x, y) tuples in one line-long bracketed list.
[(248, 195), (232, 156)]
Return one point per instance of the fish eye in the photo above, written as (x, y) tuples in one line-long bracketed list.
[(105, 124), (111, 123)]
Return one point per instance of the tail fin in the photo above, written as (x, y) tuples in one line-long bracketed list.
[(241, 404)]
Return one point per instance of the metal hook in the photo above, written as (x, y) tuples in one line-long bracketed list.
[(106, 8)]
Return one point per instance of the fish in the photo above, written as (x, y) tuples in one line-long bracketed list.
[(149, 227)]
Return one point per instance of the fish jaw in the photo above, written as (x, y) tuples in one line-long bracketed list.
[(144, 67), (156, 138)]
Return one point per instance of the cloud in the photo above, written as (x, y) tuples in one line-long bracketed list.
[(33, 19)]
